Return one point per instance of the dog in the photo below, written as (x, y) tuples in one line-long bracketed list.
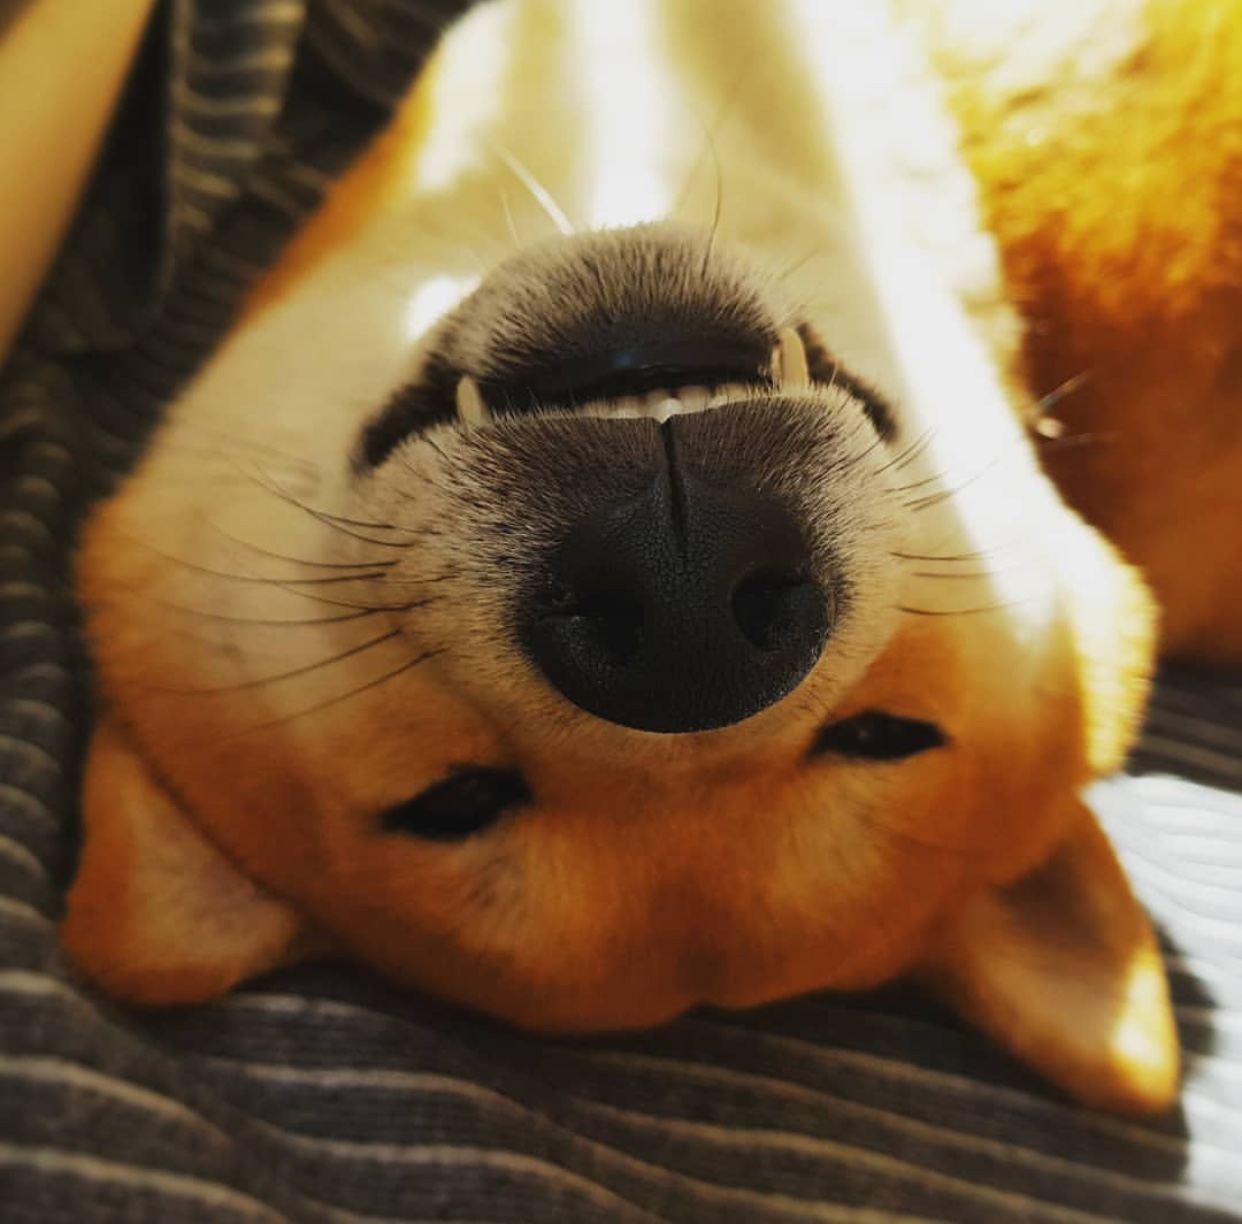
[(630, 553)]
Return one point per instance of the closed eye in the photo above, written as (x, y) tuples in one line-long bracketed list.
[(874, 735), (468, 801)]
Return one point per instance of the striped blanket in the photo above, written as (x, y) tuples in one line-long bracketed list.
[(323, 1095)]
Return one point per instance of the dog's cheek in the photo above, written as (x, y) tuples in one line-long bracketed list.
[(157, 914)]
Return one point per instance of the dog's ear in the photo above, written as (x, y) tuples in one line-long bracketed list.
[(1062, 968), (158, 915)]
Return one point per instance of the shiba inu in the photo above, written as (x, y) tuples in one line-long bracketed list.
[(609, 567)]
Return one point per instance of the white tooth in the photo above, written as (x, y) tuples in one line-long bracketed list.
[(694, 399), (789, 364), (629, 407), (667, 406), (471, 410)]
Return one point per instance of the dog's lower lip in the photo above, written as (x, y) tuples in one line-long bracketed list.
[(655, 364), (662, 403)]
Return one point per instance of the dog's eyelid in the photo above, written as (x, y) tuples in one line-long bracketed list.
[(876, 735), (467, 801)]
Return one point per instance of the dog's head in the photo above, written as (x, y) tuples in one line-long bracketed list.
[(635, 653)]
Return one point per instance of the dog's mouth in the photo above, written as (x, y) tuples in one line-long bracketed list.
[(656, 381), (637, 323)]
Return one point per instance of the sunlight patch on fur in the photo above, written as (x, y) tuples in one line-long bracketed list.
[(432, 300), (467, 69), (950, 388), (633, 185)]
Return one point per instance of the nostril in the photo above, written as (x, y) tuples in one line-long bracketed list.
[(770, 606)]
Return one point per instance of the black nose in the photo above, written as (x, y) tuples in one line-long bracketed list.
[(685, 608)]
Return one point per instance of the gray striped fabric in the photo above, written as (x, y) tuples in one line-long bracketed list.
[(324, 1095)]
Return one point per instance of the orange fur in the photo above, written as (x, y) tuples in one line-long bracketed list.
[(1122, 239), (992, 960), (157, 913), (980, 851)]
